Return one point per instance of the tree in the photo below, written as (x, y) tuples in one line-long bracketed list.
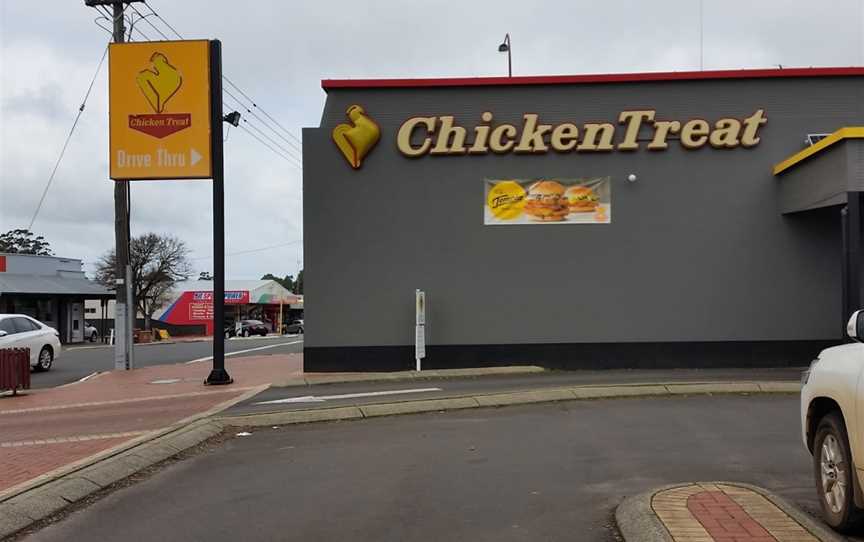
[(287, 282), (298, 286), (158, 263), (22, 241), (205, 275)]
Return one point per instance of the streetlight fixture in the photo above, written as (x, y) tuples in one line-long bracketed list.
[(232, 118), (505, 48)]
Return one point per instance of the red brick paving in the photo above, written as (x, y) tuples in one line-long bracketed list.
[(118, 402), (725, 520), (18, 465)]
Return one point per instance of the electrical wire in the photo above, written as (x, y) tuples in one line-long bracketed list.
[(264, 122), (230, 82), (250, 132), (287, 151), (68, 138), (166, 38), (250, 251), (255, 105), (283, 150)]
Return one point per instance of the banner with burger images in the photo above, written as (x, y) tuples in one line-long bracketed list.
[(548, 201)]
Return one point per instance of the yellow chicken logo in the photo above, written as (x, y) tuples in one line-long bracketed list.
[(355, 140), (160, 82)]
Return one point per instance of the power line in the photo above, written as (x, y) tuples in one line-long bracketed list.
[(252, 250), (255, 105), (227, 79), (68, 138), (250, 132), (275, 144), (148, 22), (264, 122), (290, 152)]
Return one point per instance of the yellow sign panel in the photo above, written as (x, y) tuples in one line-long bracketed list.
[(160, 110)]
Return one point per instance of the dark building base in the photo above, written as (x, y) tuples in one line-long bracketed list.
[(668, 355)]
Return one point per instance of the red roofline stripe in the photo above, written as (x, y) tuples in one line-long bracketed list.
[(327, 84)]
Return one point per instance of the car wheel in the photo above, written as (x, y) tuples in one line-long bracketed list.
[(46, 358), (300, 331), (833, 472), (93, 337), (245, 332)]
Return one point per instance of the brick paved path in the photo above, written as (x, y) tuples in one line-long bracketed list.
[(724, 513), (46, 431)]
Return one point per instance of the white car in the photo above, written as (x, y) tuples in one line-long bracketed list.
[(20, 331), (90, 332)]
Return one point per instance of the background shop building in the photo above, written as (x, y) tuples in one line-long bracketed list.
[(191, 305), (723, 250), (50, 289)]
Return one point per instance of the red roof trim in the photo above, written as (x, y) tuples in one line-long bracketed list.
[(327, 84)]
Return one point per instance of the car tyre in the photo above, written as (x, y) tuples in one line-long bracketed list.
[(300, 331), (833, 470), (245, 332), (45, 359), (93, 337)]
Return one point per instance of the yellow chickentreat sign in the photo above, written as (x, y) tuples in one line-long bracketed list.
[(160, 110)]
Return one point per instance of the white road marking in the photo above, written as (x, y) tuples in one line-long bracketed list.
[(227, 354), (322, 398), (88, 377)]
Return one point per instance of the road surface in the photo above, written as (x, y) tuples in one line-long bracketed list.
[(77, 362), (540, 472)]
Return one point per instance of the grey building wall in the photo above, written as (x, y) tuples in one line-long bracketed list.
[(698, 249)]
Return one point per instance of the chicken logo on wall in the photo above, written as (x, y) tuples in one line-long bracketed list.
[(159, 83), (355, 140)]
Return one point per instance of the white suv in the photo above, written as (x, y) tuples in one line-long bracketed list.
[(20, 331)]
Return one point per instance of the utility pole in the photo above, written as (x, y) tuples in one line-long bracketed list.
[(124, 308)]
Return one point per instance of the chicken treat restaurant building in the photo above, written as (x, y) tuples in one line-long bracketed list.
[(643, 220)]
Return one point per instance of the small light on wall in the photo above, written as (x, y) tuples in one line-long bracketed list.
[(631, 177)]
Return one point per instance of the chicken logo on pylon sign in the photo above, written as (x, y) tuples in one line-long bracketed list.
[(355, 140), (159, 83)]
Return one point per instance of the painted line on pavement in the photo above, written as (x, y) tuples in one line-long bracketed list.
[(322, 398), (227, 354), (88, 377)]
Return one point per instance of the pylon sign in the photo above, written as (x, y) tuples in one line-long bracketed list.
[(159, 107)]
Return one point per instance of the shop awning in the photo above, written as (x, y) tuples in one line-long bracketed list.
[(11, 283), (822, 174)]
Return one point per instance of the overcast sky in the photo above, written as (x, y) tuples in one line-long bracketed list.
[(277, 51)]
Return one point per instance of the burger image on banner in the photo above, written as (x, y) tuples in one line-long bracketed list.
[(581, 199), (545, 202), (586, 200)]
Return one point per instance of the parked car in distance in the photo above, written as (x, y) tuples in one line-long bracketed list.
[(90, 332), (20, 331), (247, 328), (294, 327), (833, 429)]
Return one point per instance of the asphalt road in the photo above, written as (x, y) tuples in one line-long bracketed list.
[(77, 362), (540, 472), (359, 393)]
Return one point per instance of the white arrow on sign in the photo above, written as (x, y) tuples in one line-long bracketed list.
[(194, 157), (322, 398)]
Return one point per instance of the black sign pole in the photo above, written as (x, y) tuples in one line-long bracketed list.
[(218, 375)]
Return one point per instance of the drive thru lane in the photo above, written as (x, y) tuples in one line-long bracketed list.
[(326, 395), (79, 362), (540, 472)]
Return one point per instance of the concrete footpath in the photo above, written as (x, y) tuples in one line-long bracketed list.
[(60, 445)]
